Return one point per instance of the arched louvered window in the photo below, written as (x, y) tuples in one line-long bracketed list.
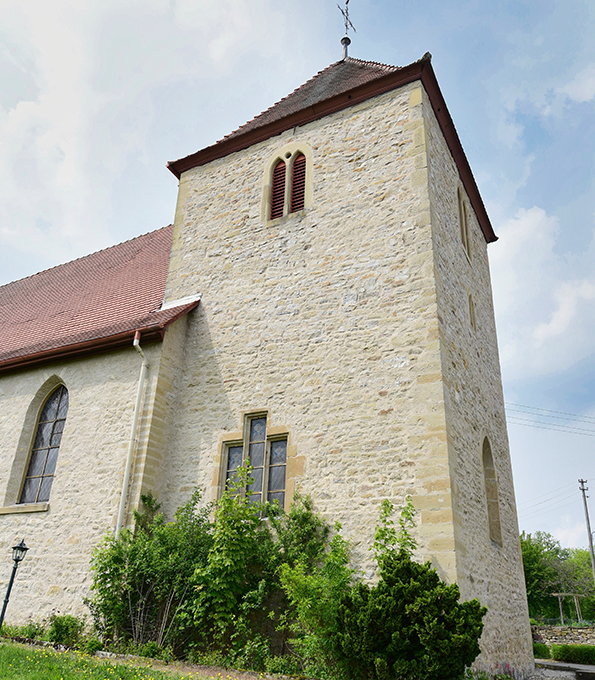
[(278, 191), (491, 486), (298, 183), (42, 464)]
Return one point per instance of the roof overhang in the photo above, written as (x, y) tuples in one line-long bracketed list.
[(149, 333), (419, 70)]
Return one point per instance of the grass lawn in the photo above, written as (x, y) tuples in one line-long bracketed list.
[(19, 662)]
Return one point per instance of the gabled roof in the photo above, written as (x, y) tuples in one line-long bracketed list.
[(90, 305), (339, 86)]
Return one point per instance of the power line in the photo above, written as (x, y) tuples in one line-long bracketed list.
[(560, 414), (562, 489), (556, 427), (560, 497), (543, 511)]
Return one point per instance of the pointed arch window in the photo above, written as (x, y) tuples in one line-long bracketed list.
[(491, 487), (298, 183), (278, 190), (288, 182), (46, 445)]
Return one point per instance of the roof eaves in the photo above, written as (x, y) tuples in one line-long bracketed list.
[(149, 332), (418, 70), (306, 115)]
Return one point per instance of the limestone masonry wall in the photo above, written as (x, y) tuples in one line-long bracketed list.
[(475, 409), (86, 491), (327, 318)]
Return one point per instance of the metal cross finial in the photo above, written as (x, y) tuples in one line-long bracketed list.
[(345, 13), (345, 40)]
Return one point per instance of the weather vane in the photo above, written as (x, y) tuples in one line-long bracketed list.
[(345, 40)]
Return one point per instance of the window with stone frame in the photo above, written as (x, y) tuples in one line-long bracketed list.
[(46, 445), (267, 454), (288, 184)]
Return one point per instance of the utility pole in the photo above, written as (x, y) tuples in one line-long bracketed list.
[(582, 483)]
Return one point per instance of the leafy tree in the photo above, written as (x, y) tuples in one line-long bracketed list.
[(315, 596), (239, 599), (549, 568)]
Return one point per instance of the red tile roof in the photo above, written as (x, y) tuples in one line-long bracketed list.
[(88, 305), (337, 87), (337, 78)]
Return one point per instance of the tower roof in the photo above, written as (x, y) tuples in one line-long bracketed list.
[(89, 305), (339, 86)]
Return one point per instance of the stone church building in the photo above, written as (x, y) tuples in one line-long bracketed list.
[(322, 304)]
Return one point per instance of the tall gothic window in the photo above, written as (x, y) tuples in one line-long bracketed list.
[(44, 454), (267, 455)]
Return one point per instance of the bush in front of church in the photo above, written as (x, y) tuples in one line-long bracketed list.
[(409, 625), (143, 579)]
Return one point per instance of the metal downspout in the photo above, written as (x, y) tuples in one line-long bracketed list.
[(135, 419)]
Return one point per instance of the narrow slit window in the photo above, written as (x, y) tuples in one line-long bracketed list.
[(491, 487), (278, 191), (464, 225), (298, 183), (44, 454), (472, 313)]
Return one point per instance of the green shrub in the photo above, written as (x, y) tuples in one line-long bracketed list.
[(151, 650), (541, 650), (410, 624), (92, 645), (574, 653), (282, 665), (143, 580), (31, 630), (65, 629)]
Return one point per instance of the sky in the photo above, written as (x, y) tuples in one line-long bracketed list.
[(96, 97)]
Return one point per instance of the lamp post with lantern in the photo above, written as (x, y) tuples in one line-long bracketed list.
[(18, 555)]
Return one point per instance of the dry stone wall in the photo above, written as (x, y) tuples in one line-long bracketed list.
[(564, 635)]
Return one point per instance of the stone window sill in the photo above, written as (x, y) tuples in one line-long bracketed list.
[(24, 507)]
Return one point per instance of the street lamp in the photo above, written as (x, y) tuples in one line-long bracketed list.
[(18, 555)]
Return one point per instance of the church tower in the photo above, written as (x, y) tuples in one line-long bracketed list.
[(345, 341)]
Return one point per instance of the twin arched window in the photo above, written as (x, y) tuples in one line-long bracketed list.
[(44, 454), (288, 185)]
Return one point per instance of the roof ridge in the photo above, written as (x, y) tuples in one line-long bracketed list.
[(270, 108), (84, 257), (386, 67)]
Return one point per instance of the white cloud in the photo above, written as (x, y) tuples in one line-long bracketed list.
[(571, 534), (544, 297), (582, 87), (567, 297), (94, 72)]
